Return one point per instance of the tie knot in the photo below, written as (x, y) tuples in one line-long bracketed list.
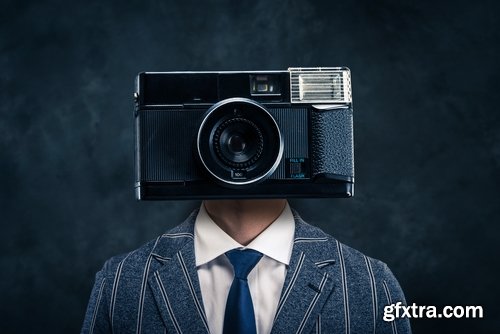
[(243, 261)]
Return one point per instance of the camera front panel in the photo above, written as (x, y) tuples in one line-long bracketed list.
[(316, 157), (166, 144)]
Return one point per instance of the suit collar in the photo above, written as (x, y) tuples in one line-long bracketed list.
[(308, 238), (308, 283)]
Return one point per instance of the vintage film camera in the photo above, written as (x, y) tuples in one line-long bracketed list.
[(250, 134)]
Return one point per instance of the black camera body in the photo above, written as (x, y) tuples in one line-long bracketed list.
[(251, 134)]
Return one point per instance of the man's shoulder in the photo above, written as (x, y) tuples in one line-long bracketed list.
[(151, 254), (325, 247)]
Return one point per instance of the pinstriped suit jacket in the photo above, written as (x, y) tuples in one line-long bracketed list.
[(329, 288)]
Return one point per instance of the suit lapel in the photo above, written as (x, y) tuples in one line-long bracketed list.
[(308, 284), (306, 288), (176, 290)]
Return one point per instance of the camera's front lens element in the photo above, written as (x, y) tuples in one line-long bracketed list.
[(239, 142), (236, 144)]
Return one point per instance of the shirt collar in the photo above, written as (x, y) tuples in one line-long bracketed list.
[(276, 241)]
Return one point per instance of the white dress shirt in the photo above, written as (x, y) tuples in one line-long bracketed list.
[(266, 279)]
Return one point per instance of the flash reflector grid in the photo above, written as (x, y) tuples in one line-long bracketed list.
[(320, 85)]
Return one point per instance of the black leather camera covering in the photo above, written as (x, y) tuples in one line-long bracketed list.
[(332, 142)]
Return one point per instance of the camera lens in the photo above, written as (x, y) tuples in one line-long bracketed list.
[(239, 142), (236, 144)]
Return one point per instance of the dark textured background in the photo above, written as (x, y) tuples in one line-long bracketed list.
[(427, 139)]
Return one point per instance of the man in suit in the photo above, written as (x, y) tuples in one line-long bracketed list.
[(296, 279)]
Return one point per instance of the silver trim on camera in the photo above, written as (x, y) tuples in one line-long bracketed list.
[(320, 85), (240, 183)]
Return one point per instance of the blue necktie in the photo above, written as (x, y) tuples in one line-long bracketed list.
[(239, 317)]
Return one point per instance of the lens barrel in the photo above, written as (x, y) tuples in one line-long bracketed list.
[(239, 142)]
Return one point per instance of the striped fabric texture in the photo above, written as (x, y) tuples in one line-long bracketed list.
[(329, 288)]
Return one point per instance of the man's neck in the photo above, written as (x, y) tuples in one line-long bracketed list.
[(244, 220)]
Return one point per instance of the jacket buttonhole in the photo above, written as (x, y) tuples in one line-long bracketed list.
[(315, 288)]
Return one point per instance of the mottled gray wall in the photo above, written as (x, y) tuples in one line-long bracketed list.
[(427, 139)]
